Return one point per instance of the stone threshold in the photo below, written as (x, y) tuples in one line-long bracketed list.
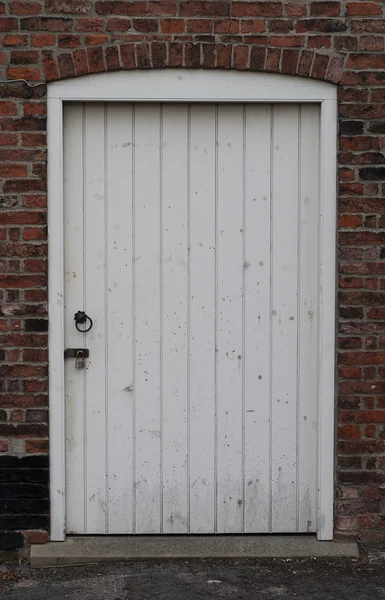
[(92, 549)]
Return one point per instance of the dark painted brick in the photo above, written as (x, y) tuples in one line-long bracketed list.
[(10, 540)]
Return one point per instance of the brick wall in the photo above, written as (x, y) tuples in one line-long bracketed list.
[(338, 41)]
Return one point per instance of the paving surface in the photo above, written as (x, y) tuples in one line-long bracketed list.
[(246, 579)]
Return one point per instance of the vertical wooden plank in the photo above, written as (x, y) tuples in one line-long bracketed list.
[(202, 318), (229, 318), (284, 317), (257, 317), (119, 322), (174, 165), (73, 301), (147, 318), (308, 316), (95, 306)]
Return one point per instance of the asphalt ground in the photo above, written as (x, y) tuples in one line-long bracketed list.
[(262, 579)]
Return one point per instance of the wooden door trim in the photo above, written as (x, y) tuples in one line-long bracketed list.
[(179, 85)]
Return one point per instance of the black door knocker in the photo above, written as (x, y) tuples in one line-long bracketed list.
[(80, 319)]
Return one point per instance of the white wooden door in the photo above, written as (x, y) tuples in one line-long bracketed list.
[(191, 240)]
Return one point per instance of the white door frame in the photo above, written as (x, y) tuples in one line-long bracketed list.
[(181, 85)]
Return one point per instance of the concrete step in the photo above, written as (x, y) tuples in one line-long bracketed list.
[(91, 549)]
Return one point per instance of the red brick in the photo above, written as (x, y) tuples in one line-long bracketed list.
[(370, 417), (66, 65), (376, 313), (253, 26), (121, 7), (349, 432), (345, 42), (95, 60), (112, 58), (96, 39), (29, 73), (117, 24), (39, 40), (159, 54), (142, 56), (68, 41), (320, 25), (127, 54), (256, 9), (320, 66), (15, 40), (350, 221), (24, 57), (172, 25), (295, 9), (363, 8), (223, 56), (326, 9), (162, 7), (273, 59), (372, 42), (241, 57), (17, 416), (50, 66), (80, 62), (208, 61), (319, 41), (175, 54), (36, 447), (45, 24), (146, 25), (36, 536), (8, 139), (226, 26), (7, 108), (192, 55), (25, 8), (366, 61), (9, 170), (8, 24), (289, 61), (280, 25), (287, 41), (367, 25), (257, 58), (34, 233), (202, 8), (335, 69), (89, 24), (35, 354), (305, 63), (199, 25)]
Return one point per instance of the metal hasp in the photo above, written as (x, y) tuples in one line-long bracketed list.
[(74, 352)]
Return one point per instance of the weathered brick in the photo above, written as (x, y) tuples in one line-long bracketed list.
[(121, 7), (68, 6), (327, 9), (256, 9), (363, 8), (201, 8), (25, 8)]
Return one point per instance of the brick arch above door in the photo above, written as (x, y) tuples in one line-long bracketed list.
[(163, 54)]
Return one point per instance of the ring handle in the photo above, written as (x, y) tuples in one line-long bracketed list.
[(81, 318)]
